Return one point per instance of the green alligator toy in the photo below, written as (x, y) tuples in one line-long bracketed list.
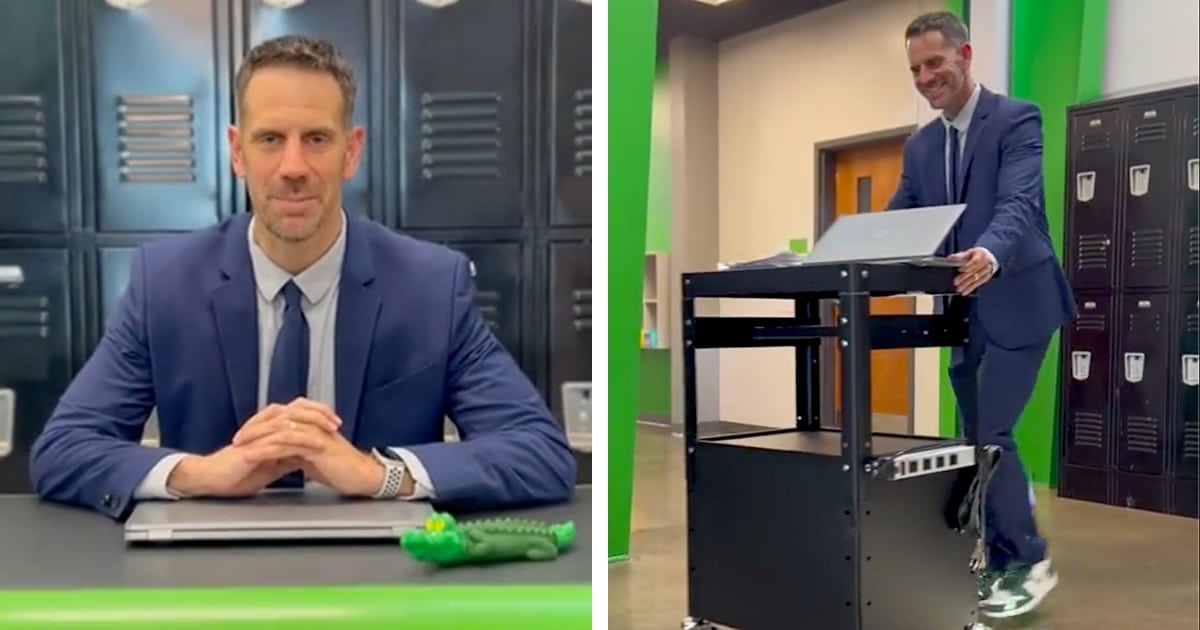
[(446, 542)]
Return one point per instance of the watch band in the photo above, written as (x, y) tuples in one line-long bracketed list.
[(393, 476)]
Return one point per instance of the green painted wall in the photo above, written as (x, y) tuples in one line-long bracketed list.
[(631, 43), (1057, 60), (654, 385)]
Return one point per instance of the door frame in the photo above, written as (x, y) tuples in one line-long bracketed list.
[(824, 161)]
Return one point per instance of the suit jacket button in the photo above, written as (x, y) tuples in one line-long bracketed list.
[(108, 500)]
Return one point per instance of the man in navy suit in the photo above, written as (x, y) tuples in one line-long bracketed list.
[(299, 343), (985, 150)]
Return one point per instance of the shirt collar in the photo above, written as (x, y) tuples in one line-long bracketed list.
[(313, 282), (963, 120)]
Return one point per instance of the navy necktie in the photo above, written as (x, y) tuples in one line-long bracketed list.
[(952, 176), (289, 364), (952, 183)]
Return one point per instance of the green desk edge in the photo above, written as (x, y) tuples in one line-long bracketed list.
[(465, 607)]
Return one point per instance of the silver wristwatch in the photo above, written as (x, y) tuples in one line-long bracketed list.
[(393, 476)]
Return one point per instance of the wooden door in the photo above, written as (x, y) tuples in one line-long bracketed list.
[(866, 178)]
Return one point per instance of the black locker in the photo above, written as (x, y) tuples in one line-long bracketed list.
[(570, 317), (1186, 372), (347, 24), (1148, 193), (1189, 232), (1087, 400), (1141, 375), (465, 82), (33, 169), (34, 351), (158, 124), (1091, 207), (572, 110), (497, 269)]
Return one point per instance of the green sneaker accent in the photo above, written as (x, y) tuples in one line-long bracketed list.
[(1020, 590), (986, 582)]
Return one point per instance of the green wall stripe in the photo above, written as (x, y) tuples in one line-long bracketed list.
[(631, 51), (947, 403), (549, 607), (1050, 42), (1093, 40)]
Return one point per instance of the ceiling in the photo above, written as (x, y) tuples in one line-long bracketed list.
[(700, 19)]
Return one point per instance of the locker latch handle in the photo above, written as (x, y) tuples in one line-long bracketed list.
[(1139, 180), (11, 276), (1085, 186), (1135, 366), (1191, 369), (8, 412), (1081, 364), (1193, 174)]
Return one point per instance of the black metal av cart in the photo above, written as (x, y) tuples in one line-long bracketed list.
[(812, 528)]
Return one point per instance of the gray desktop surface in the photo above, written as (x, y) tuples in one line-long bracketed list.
[(49, 546)]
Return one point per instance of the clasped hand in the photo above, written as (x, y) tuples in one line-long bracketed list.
[(280, 440)]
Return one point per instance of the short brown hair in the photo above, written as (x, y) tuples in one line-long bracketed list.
[(304, 53), (942, 22)]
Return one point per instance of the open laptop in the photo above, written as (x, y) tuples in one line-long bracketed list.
[(297, 515), (902, 236)]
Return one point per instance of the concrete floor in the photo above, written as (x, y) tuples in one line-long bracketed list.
[(1118, 568)]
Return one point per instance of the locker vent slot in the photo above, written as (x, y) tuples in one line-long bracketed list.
[(23, 157), (1090, 322), (1100, 141), (1195, 126), (24, 316), (1089, 429), (1141, 434), (581, 309), (583, 132), (155, 137), (1192, 324), (1150, 132), (460, 135), (1148, 248), (1191, 440), (488, 303), (1092, 252), (1193, 253), (1144, 320)]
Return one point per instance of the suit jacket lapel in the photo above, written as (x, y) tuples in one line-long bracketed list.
[(979, 122), (235, 308), (357, 312)]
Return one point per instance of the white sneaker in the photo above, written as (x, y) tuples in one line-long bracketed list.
[(1021, 590)]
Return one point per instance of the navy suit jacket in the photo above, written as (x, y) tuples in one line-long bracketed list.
[(1001, 183), (411, 349)]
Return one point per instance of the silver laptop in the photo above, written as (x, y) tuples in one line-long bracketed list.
[(310, 514), (903, 236)]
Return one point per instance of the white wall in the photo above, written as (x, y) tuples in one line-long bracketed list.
[(1151, 43), (831, 74), (990, 37)]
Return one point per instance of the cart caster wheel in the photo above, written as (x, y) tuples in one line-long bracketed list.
[(691, 623)]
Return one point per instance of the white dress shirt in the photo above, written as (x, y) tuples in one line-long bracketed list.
[(319, 284)]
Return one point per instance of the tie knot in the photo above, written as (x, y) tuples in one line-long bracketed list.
[(291, 294)]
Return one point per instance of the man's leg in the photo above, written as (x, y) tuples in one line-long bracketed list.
[(1005, 380)]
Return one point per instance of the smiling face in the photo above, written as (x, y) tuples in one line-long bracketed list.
[(293, 146), (941, 70)]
